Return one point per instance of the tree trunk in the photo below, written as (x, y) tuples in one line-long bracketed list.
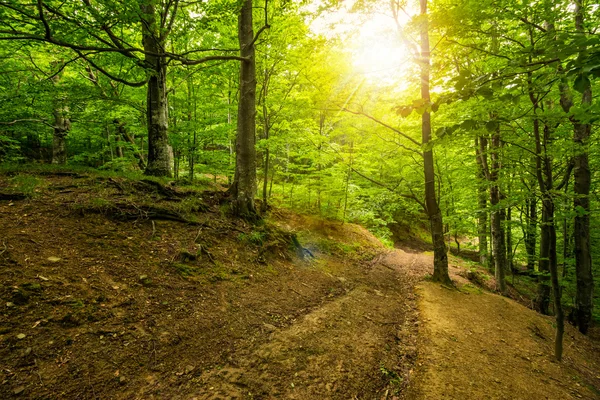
[(440, 256), (243, 188), (62, 124), (531, 231), (498, 216), (159, 162), (581, 189), (482, 220), (548, 260), (266, 129), (509, 241)]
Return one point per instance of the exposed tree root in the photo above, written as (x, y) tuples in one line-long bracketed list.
[(12, 196)]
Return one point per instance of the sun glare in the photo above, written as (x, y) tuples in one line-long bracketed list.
[(379, 54), (377, 51)]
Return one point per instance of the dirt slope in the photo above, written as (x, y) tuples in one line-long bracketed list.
[(116, 289), (478, 345)]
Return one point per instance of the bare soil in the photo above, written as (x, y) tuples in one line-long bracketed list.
[(116, 289), (120, 289)]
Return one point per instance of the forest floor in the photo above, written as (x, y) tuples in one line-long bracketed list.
[(119, 289)]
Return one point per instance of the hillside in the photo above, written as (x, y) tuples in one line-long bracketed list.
[(124, 289)]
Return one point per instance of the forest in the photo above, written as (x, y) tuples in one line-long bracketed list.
[(464, 132)]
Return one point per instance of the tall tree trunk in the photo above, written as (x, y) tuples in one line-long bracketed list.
[(509, 241), (482, 215), (159, 161), (531, 231), (62, 124), (440, 256), (581, 189), (266, 131), (243, 188), (498, 215), (548, 259)]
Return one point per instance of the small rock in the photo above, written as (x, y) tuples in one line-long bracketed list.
[(269, 328), (21, 336), (9, 304), (189, 369), (19, 390), (53, 259), (122, 380)]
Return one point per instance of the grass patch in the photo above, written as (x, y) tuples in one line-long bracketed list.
[(26, 184)]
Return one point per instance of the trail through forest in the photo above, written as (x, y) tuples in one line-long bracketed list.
[(125, 289)]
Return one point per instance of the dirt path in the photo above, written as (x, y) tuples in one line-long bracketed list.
[(479, 345)]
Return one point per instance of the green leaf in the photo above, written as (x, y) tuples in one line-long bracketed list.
[(485, 92), (492, 126), (469, 125), (404, 111), (582, 82)]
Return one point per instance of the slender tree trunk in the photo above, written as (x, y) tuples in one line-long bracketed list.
[(581, 191), (548, 259), (244, 181), (159, 161), (266, 131), (62, 124), (440, 256), (509, 241), (498, 216), (482, 220), (348, 177), (531, 232)]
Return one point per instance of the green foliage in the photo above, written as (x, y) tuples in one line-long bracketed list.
[(256, 238)]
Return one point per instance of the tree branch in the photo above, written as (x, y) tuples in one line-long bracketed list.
[(404, 135)]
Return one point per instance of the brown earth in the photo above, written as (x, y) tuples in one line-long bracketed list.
[(478, 345), (117, 289), (103, 298)]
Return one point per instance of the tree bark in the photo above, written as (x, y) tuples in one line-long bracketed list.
[(498, 215), (266, 131), (548, 260), (62, 124), (531, 232), (440, 256), (159, 162), (581, 189), (482, 215), (243, 188)]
